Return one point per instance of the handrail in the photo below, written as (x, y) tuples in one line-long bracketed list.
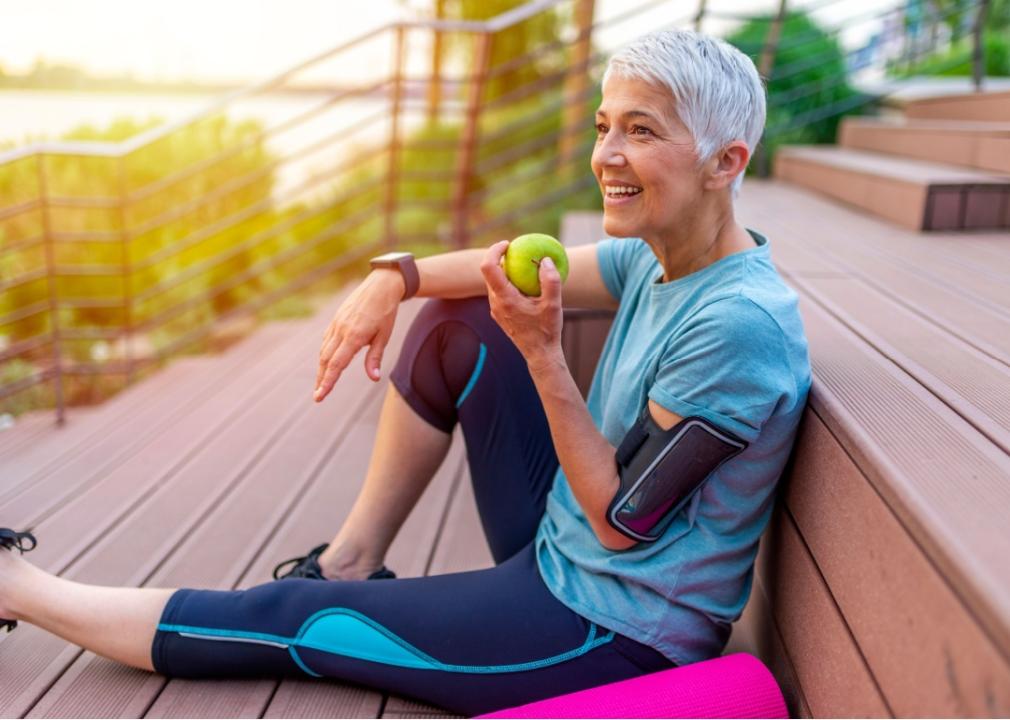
[(498, 23), (159, 258)]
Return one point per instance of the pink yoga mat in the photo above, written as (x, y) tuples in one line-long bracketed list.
[(734, 686)]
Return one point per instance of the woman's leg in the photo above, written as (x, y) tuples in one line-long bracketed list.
[(466, 370), (119, 623), (456, 365), (468, 642), (406, 454)]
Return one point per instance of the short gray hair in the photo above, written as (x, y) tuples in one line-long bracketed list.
[(716, 89)]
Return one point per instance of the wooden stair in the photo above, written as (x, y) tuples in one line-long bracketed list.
[(977, 144), (944, 166), (881, 586)]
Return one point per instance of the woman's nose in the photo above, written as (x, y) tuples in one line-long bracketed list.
[(610, 154)]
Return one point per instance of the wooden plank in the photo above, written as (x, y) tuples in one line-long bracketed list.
[(402, 708), (239, 525), (907, 170), (128, 552), (74, 508), (972, 383), (830, 670), (28, 428), (985, 280), (171, 389), (969, 317), (757, 633), (987, 106), (912, 193), (974, 144), (944, 480), (814, 221), (46, 652), (321, 699), (46, 489), (214, 553), (925, 651)]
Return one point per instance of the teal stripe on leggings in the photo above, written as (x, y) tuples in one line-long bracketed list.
[(345, 632), (474, 375)]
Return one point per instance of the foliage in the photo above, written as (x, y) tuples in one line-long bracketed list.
[(510, 44), (808, 91), (204, 240), (194, 228), (957, 60)]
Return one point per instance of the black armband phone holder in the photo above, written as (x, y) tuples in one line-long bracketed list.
[(661, 469)]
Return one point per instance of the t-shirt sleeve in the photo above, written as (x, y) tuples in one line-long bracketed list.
[(729, 365), (616, 257)]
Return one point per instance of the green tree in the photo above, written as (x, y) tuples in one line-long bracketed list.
[(808, 91), (508, 46)]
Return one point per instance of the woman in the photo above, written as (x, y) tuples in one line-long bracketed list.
[(586, 589)]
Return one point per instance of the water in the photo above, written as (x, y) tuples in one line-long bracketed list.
[(28, 116)]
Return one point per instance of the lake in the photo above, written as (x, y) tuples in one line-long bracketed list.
[(33, 115)]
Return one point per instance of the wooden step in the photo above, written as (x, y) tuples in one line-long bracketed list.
[(986, 106), (981, 145), (915, 194)]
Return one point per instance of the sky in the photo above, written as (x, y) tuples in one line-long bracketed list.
[(234, 40)]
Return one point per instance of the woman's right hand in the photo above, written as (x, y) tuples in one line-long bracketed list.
[(366, 317)]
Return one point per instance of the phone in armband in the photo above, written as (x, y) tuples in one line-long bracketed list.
[(661, 469)]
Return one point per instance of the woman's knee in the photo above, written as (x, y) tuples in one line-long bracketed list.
[(442, 351)]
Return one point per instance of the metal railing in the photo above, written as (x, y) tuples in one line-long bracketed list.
[(115, 257)]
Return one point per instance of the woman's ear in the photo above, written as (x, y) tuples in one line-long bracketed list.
[(727, 164)]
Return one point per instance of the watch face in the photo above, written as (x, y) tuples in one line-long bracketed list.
[(391, 257)]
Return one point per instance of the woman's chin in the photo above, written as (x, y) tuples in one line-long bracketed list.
[(618, 227)]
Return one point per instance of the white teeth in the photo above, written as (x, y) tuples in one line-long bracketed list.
[(622, 190)]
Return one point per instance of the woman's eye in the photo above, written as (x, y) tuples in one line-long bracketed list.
[(639, 130), (601, 129)]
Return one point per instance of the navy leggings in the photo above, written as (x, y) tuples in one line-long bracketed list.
[(468, 642)]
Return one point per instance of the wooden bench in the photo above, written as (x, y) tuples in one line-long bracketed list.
[(882, 585)]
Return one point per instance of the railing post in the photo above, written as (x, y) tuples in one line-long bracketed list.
[(435, 84), (978, 52), (468, 141), (124, 237), (574, 107), (393, 168), (766, 64), (54, 305), (699, 17)]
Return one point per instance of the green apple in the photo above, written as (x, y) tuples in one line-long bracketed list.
[(522, 261)]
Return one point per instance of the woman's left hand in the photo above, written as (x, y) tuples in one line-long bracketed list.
[(533, 323)]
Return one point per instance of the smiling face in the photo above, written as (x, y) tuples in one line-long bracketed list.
[(644, 161)]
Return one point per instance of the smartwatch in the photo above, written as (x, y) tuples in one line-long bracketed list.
[(404, 262)]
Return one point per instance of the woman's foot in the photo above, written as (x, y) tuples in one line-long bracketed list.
[(10, 564), (324, 564)]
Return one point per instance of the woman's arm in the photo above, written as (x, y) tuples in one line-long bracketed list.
[(534, 325)]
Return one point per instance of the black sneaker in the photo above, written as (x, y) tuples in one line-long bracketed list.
[(22, 542), (308, 567)]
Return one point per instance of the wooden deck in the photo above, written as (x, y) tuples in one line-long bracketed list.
[(217, 468)]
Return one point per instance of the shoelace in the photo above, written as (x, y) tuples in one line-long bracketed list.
[(306, 566), (21, 541)]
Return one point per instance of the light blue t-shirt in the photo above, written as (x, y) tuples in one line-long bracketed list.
[(725, 343)]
